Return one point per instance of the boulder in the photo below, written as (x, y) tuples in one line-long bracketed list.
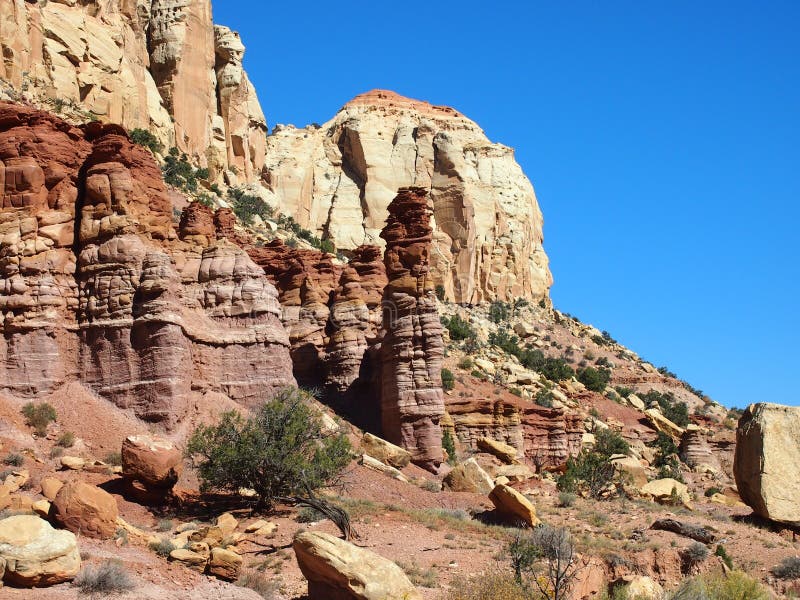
[(631, 468), (661, 490), (468, 476), (376, 465), (192, 560), (635, 402), (224, 564), (767, 461), (50, 487), (642, 587), (261, 527), (86, 509), (513, 505), (338, 570), (662, 423), (227, 523), (384, 451), (153, 460), (72, 463), (35, 554), (505, 452)]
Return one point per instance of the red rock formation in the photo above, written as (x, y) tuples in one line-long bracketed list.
[(498, 419), (412, 348), (125, 306), (551, 435)]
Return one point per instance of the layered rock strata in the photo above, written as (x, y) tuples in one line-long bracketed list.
[(338, 181), (99, 286), (412, 400), (159, 65)]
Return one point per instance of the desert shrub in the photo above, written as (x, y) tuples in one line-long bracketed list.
[(695, 553), (39, 416), (448, 380), (247, 206), (67, 440), (544, 397), (723, 554), (711, 491), (458, 328), (260, 583), (594, 379), (623, 391), (14, 459), (147, 139), (162, 547), (165, 525), (449, 446), (309, 514), (431, 485), (499, 312), (108, 577), (420, 576), (466, 363), (789, 568), (440, 292), (566, 499), (490, 586), (608, 443), (56, 452), (666, 458), (591, 470), (179, 172), (736, 585), (544, 559), (279, 451), (677, 412), (113, 458)]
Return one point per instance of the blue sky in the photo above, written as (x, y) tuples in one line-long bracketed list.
[(663, 140)]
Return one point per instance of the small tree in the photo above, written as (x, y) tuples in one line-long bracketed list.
[(280, 452), (545, 559), (448, 380), (449, 446)]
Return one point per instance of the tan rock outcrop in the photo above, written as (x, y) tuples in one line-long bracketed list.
[(767, 461), (341, 177), (468, 476), (32, 553), (86, 509), (385, 451), (514, 506), (412, 350), (338, 570), (159, 65), (152, 460)]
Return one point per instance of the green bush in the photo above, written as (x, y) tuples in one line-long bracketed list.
[(440, 293), (147, 139), (162, 547), (723, 554), (67, 440), (624, 391), (449, 446), (499, 312), (14, 460), (677, 412), (555, 369), (736, 585), (666, 459), (566, 499), (466, 363), (591, 470), (448, 380), (458, 328), (594, 379), (608, 442), (179, 172), (247, 206), (712, 490), (39, 416), (279, 451), (789, 568), (544, 397)]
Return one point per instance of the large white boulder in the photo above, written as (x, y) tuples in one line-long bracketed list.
[(32, 553)]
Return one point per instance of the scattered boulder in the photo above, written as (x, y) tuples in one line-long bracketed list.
[(767, 461), (513, 505), (224, 564), (41, 508), (376, 465), (631, 468), (662, 491), (518, 473), (468, 476), (338, 570), (261, 527), (72, 463), (700, 534), (15, 480), (642, 587), (151, 460), (662, 423), (505, 452), (50, 487), (191, 560), (35, 554), (86, 509), (384, 451), (227, 523)]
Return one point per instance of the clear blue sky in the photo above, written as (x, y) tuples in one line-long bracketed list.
[(662, 140)]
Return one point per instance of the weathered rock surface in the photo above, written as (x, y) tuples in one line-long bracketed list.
[(513, 505), (338, 570), (341, 177), (385, 451), (767, 461), (35, 554), (412, 400), (86, 509), (99, 287), (159, 65), (468, 476), (152, 460)]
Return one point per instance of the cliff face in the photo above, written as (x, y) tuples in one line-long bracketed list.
[(339, 179), (159, 65), (99, 287)]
